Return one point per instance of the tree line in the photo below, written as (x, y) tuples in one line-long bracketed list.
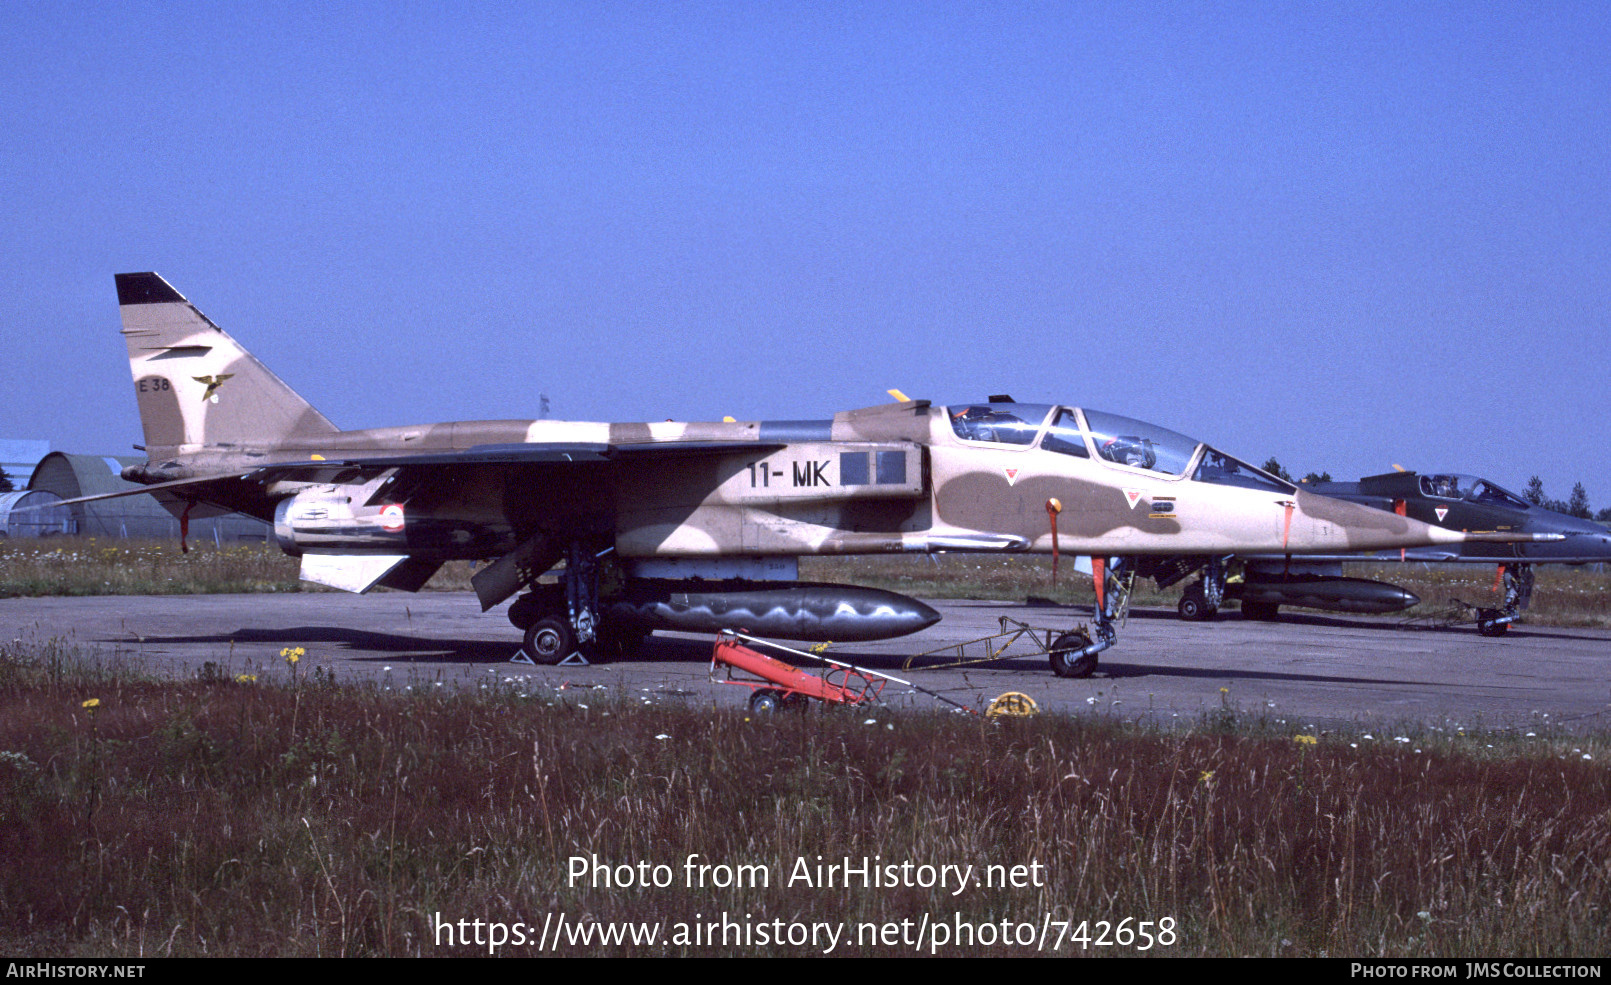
[(1577, 505)]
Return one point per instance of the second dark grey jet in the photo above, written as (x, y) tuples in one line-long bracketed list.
[(1450, 500)]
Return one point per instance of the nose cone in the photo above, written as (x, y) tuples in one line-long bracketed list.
[(1321, 524), (1577, 547), (1589, 537)]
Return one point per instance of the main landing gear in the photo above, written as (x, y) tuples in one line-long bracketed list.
[(1202, 598), (542, 613), (562, 622)]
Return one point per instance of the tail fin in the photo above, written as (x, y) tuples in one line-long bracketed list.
[(196, 386)]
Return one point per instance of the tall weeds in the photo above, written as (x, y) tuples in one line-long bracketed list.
[(218, 828)]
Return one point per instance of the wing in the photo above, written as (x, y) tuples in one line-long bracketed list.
[(255, 491), (432, 474)]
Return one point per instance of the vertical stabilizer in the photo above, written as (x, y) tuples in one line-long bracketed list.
[(196, 386)]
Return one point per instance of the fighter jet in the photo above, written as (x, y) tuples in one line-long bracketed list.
[(605, 532), (1449, 500)]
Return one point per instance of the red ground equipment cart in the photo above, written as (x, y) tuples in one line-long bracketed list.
[(774, 684)]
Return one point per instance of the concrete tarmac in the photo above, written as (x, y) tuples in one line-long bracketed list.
[(1306, 670)]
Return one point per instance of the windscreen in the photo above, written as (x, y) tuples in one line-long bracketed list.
[(1221, 469), (1485, 492)]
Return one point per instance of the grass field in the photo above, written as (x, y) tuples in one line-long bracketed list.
[(1564, 596), (288, 816)]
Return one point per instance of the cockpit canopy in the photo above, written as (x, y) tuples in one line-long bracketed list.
[(1117, 441), (1449, 485)]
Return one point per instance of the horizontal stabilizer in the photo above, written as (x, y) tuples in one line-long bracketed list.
[(411, 575), (350, 572), (199, 486)]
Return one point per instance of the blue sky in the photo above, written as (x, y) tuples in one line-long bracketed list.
[(1341, 234)]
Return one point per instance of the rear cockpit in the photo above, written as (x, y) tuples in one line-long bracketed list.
[(1450, 485), (999, 423), (1118, 442)]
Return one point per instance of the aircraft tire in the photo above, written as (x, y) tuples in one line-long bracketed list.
[(1193, 605), (1488, 627), (549, 640), (1066, 659)]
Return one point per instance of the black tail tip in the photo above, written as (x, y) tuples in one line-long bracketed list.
[(147, 288)]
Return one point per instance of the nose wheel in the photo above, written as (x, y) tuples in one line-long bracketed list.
[(1072, 655)]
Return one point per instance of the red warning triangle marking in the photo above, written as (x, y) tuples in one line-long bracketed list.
[(1012, 476), (1441, 511), (1134, 496)]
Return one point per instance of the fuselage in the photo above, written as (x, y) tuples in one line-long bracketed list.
[(905, 477), (679, 525)]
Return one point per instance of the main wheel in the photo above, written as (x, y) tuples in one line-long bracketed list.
[(1066, 658), (1193, 605), (765, 701), (549, 640), (1491, 627)]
